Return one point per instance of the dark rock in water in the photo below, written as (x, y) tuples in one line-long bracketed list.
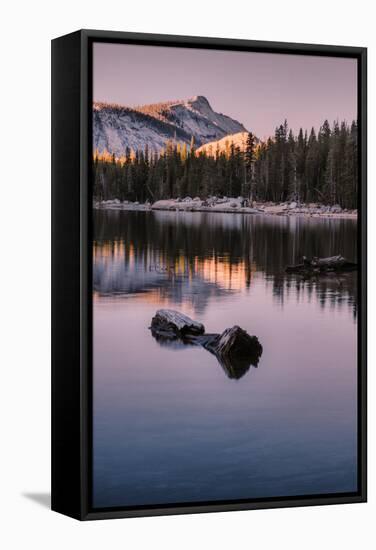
[(174, 324), (234, 341), (234, 349), (322, 265)]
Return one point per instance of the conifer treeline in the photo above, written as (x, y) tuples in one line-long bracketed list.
[(319, 167)]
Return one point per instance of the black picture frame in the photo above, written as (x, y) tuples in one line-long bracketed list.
[(72, 268)]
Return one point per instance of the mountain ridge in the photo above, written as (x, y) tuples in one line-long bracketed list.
[(117, 127)]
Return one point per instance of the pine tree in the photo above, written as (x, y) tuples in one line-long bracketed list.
[(249, 161), (311, 167)]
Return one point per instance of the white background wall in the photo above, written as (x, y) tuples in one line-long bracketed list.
[(27, 27)]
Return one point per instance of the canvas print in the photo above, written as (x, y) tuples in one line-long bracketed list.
[(224, 206)]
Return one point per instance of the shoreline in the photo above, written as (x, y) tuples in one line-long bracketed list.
[(232, 206)]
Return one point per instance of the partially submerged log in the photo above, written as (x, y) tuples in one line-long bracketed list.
[(234, 349), (322, 265)]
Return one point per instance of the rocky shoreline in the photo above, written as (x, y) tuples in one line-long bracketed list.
[(237, 205)]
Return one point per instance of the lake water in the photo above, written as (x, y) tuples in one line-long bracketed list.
[(171, 424)]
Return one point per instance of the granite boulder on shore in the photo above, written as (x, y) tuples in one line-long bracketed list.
[(239, 205)]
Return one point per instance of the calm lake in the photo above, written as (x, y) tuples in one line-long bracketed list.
[(171, 424)]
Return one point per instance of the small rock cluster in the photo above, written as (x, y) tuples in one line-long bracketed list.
[(302, 208)]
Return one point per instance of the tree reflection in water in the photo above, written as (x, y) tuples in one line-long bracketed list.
[(199, 256)]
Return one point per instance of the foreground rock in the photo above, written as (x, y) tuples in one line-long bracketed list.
[(233, 342), (322, 265), (174, 324), (234, 349)]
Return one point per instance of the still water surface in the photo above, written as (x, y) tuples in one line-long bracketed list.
[(170, 423)]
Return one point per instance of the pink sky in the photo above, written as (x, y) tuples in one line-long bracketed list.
[(260, 90)]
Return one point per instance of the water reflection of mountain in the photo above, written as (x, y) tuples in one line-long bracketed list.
[(194, 256), (120, 269)]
